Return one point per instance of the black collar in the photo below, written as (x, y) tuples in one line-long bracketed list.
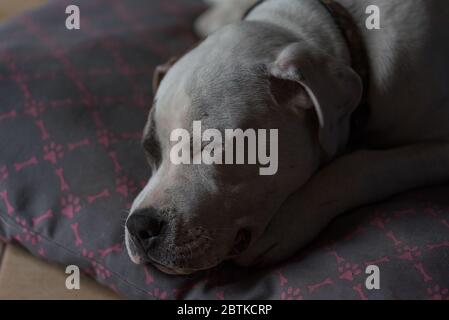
[(358, 54), (351, 33)]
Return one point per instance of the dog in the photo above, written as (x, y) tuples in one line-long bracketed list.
[(362, 114)]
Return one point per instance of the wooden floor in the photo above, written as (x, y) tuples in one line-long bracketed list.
[(23, 276), (9, 8)]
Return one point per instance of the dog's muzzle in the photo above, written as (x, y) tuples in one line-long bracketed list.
[(152, 238)]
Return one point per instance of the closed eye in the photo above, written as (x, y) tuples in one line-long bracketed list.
[(151, 144), (152, 151)]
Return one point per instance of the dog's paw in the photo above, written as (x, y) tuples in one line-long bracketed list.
[(289, 230)]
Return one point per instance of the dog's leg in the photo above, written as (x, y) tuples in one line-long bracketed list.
[(351, 181), (221, 13)]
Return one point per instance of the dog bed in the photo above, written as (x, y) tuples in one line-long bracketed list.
[(73, 104)]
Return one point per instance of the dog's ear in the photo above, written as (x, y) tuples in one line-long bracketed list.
[(314, 79), (161, 71)]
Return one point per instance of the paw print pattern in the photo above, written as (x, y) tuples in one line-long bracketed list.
[(100, 270), (87, 254), (105, 138), (21, 221), (53, 152), (220, 295), (96, 269), (348, 271), (125, 186), (291, 294), (158, 294), (70, 205), (41, 252), (34, 108), (26, 235), (408, 253), (438, 293)]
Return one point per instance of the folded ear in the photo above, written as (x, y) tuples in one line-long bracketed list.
[(333, 89), (161, 71)]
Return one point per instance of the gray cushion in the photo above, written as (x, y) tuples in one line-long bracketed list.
[(72, 108)]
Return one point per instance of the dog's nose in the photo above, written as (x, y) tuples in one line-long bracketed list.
[(145, 225)]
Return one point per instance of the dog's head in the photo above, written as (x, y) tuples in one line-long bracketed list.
[(191, 217)]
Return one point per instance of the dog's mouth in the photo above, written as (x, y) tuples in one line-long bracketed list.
[(184, 267), (173, 270), (175, 265), (179, 270)]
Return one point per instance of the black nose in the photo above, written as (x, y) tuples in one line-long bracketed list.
[(145, 225)]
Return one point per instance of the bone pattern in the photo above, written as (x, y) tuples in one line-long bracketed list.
[(346, 271)]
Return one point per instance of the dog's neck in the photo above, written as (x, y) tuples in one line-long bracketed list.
[(309, 20), (327, 25)]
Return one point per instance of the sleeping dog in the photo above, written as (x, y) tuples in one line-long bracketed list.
[(361, 115)]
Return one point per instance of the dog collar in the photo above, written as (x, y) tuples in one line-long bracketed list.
[(351, 34), (350, 31), (358, 56), (359, 63)]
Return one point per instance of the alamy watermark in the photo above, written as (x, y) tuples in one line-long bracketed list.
[(372, 282), (373, 20), (73, 21), (72, 282), (210, 147)]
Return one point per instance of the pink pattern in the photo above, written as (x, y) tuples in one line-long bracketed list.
[(344, 268), (103, 194), (348, 271), (47, 215), (3, 173), (8, 115), (70, 205), (53, 152), (62, 182), (78, 144), (313, 287), (438, 293), (106, 251), (75, 229), (28, 163), (6, 203), (291, 294)]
